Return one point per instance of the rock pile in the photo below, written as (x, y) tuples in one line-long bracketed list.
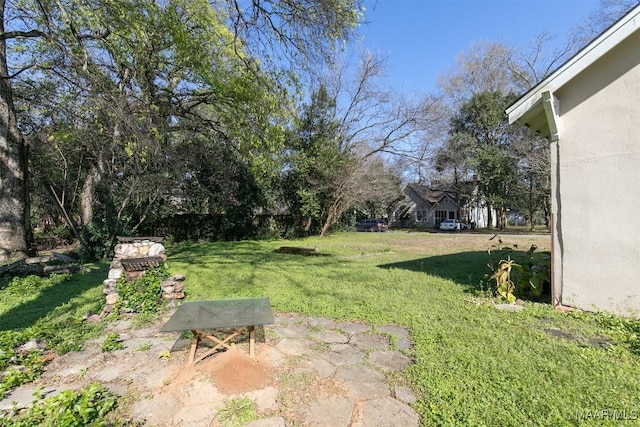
[(173, 289)]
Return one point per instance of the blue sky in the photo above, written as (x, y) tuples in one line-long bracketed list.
[(422, 38)]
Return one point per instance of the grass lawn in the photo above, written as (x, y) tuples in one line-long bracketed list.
[(474, 365)]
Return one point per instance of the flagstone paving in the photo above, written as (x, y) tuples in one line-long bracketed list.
[(307, 371)]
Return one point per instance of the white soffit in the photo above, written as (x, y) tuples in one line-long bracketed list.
[(602, 44)]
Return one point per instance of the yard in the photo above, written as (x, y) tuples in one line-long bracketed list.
[(474, 365)]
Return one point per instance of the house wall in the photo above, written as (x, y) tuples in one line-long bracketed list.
[(596, 169), (427, 212), (428, 216)]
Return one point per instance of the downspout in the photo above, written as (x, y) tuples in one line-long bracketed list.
[(551, 105)]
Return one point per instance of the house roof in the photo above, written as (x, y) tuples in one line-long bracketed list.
[(537, 109), (430, 195)]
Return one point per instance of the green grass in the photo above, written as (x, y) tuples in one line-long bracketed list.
[(49, 309), (474, 365)]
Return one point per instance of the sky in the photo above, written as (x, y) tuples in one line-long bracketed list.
[(422, 38)]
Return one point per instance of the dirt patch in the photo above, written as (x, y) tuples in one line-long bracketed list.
[(233, 372), (230, 371)]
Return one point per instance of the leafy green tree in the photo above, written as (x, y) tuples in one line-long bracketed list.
[(134, 87), (122, 81), (488, 148), (316, 162)]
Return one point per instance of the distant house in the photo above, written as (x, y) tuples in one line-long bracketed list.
[(426, 207), (589, 110)]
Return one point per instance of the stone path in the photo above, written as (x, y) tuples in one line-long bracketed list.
[(308, 371)]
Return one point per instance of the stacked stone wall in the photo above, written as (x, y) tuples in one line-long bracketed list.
[(147, 251)]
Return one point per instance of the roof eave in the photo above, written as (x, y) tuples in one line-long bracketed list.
[(529, 108)]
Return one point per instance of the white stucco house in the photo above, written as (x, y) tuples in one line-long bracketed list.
[(589, 110)]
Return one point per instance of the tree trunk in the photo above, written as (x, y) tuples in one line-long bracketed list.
[(532, 205), (489, 216), (89, 188), (503, 218), (91, 183), (15, 224), (68, 219)]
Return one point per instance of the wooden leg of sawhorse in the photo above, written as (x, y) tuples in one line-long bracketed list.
[(198, 335), (194, 345), (252, 340)]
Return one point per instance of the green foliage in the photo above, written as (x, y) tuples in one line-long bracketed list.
[(142, 295), (86, 407), (317, 162), (510, 164), (23, 288), (19, 369), (45, 308), (504, 283), (52, 237), (237, 412), (525, 278), (170, 59), (624, 330), (112, 342)]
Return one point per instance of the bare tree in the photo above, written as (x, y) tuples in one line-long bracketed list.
[(531, 64), (608, 12), (364, 180), (546, 52), (376, 124), (481, 68)]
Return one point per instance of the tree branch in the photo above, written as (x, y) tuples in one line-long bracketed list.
[(20, 71), (21, 34)]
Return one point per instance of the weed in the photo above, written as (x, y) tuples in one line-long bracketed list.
[(623, 330), (112, 343), (144, 346), (237, 412), (526, 278), (504, 283)]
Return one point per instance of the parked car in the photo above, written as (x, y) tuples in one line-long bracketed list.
[(451, 225), (372, 225)]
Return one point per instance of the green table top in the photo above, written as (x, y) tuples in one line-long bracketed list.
[(224, 313)]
